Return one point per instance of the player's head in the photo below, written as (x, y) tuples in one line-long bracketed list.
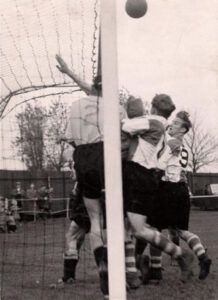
[(97, 83), (180, 124), (162, 105), (134, 107)]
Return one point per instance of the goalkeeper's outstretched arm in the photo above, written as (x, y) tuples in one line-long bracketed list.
[(63, 68)]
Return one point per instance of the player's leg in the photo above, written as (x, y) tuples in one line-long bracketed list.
[(174, 209), (174, 237), (143, 231), (137, 222), (183, 211), (132, 278), (71, 256), (196, 245), (142, 195), (79, 226), (134, 196), (142, 260), (155, 271), (140, 247), (94, 210), (155, 238), (90, 175)]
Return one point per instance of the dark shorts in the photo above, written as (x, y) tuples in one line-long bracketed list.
[(140, 187), (81, 218), (172, 206), (89, 166)]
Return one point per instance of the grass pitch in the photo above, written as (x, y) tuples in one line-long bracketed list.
[(32, 259)]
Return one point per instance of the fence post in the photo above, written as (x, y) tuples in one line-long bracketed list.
[(34, 211), (68, 208), (64, 183)]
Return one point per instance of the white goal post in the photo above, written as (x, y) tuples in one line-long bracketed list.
[(112, 146)]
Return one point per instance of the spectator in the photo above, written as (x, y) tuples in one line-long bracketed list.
[(31, 193), (18, 193), (32, 196), (8, 209), (12, 215), (3, 218), (43, 201)]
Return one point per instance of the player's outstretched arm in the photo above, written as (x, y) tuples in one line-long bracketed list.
[(135, 126), (63, 68)]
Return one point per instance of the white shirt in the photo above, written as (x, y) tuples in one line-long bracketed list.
[(85, 124), (150, 130), (174, 160)]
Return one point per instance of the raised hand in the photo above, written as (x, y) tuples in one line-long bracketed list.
[(62, 67)]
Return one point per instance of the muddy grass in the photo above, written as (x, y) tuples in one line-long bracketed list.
[(31, 260)]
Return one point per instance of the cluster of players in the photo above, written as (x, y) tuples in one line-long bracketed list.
[(155, 190)]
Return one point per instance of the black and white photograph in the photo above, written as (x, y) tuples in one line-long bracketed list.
[(109, 150)]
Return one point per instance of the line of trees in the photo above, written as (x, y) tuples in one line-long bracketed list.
[(41, 127)]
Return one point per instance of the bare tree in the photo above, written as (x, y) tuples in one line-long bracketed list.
[(123, 96), (30, 141), (56, 126), (39, 130), (202, 145)]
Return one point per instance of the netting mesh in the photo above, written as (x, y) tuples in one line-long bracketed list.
[(33, 260), (32, 32)]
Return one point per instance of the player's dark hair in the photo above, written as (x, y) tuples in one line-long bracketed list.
[(184, 116), (134, 107), (163, 104)]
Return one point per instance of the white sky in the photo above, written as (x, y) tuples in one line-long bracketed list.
[(172, 49)]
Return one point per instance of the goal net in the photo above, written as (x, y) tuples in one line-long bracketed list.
[(34, 104)]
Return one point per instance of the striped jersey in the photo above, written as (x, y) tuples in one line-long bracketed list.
[(150, 131), (174, 160)]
